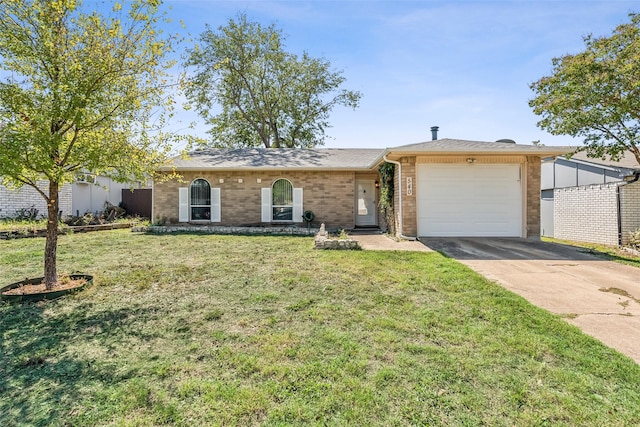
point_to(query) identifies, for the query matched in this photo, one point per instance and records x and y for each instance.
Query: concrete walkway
(379, 242)
(600, 297)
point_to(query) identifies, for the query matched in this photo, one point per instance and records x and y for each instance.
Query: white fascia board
(462, 152)
(268, 169)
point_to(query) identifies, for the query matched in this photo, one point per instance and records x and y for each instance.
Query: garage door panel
(469, 200)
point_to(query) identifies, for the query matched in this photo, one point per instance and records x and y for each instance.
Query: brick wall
(629, 209)
(409, 210)
(11, 201)
(533, 168)
(66, 199)
(330, 195)
(587, 213)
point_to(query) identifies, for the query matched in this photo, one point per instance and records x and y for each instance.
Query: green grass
(194, 330)
(608, 253)
(7, 224)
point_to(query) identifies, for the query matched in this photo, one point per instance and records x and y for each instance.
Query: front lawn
(203, 330)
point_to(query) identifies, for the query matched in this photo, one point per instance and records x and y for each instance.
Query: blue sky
(464, 66)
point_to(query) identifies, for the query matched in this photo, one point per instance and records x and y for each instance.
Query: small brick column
(408, 188)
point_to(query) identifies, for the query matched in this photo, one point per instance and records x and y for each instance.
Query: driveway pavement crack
(595, 313)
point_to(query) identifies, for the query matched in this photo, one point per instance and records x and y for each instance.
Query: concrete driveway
(600, 297)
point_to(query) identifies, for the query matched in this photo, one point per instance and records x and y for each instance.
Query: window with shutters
(200, 200)
(282, 200)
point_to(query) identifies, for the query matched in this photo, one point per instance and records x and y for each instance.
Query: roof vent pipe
(434, 132)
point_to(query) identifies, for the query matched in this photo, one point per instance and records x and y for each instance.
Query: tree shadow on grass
(42, 379)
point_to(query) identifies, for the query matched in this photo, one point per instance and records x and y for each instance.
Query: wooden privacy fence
(137, 201)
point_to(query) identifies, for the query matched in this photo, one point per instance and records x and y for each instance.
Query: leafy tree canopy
(80, 90)
(595, 94)
(266, 95)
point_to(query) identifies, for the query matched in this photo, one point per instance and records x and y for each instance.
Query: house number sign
(409, 186)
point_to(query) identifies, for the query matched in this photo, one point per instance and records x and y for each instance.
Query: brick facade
(587, 214)
(330, 195)
(629, 210)
(604, 213)
(533, 171)
(409, 204)
(12, 201)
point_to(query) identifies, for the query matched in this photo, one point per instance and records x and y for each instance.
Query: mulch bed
(38, 288)
(42, 232)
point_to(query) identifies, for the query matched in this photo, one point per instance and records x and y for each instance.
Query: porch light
(377, 184)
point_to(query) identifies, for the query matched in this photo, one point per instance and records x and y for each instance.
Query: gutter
(402, 236)
(636, 177)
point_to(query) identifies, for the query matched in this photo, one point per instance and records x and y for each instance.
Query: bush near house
(634, 239)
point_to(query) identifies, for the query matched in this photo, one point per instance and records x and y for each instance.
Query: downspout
(636, 176)
(402, 236)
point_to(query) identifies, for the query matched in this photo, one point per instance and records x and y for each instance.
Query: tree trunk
(51, 244)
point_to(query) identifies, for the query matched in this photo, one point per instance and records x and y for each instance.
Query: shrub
(634, 239)
(26, 214)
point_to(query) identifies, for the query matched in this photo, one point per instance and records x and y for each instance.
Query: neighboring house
(444, 187)
(590, 200)
(88, 194)
(91, 192)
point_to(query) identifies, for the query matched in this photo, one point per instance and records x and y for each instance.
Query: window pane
(282, 214)
(200, 193)
(282, 192)
(201, 213)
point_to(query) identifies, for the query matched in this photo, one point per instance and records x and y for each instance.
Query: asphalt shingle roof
(343, 158)
(278, 158)
(447, 145)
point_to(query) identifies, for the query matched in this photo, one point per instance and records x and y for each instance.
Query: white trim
(183, 204)
(266, 204)
(524, 196)
(297, 205)
(371, 217)
(215, 205)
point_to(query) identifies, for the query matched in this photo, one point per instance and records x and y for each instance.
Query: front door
(365, 203)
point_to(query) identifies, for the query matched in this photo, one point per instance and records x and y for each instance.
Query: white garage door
(469, 200)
